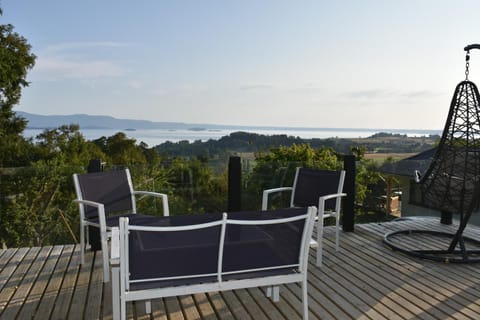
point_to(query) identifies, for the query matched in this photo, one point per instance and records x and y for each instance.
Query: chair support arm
(270, 191)
(164, 197)
(321, 204)
(97, 205)
(332, 196)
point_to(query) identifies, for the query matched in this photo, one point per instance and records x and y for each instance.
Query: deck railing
(36, 206)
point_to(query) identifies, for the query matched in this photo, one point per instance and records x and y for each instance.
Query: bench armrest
(267, 192)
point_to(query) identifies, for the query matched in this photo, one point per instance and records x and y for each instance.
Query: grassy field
(381, 157)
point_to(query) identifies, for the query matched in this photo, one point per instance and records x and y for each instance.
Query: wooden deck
(365, 280)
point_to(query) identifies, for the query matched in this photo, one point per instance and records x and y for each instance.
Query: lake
(155, 137)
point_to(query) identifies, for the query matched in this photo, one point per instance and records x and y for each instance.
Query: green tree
(15, 61)
(38, 208)
(121, 150)
(196, 188)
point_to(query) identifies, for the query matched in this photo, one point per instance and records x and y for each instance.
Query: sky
(298, 63)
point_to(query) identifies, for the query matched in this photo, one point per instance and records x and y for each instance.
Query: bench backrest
(207, 248)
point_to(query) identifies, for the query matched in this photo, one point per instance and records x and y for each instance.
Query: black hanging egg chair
(451, 184)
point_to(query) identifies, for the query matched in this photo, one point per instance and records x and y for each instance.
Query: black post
(95, 165)
(349, 189)
(234, 184)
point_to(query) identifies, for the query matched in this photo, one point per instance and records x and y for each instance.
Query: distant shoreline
(154, 137)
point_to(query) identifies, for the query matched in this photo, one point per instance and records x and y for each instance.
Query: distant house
(404, 172)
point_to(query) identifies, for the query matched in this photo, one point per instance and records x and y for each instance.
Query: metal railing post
(234, 184)
(349, 189)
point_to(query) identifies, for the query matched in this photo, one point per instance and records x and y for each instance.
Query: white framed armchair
(320, 188)
(104, 197)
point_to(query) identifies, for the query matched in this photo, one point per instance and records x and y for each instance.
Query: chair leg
(337, 232)
(276, 294)
(123, 309)
(268, 292)
(106, 266)
(82, 244)
(319, 241)
(116, 293)
(305, 299)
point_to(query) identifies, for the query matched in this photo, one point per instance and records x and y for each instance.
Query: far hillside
(245, 142)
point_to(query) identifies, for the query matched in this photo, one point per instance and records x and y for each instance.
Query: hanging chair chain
(467, 65)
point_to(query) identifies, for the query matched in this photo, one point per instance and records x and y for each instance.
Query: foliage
(277, 168)
(15, 61)
(196, 187)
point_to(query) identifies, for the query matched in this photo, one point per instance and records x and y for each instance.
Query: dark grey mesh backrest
(112, 189)
(314, 183)
(263, 246)
(154, 254)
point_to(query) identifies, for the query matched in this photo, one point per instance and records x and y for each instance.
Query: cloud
(389, 94)
(369, 94)
(255, 87)
(77, 60)
(67, 46)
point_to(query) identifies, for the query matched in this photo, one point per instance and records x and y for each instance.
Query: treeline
(252, 142)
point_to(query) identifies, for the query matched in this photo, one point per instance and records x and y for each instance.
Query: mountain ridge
(86, 121)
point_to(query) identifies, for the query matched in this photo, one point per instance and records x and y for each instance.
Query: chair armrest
(166, 211)
(100, 209)
(332, 196)
(269, 191)
(97, 205)
(322, 199)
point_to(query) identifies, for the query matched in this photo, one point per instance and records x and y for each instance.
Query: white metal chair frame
(105, 231)
(322, 213)
(121, 292)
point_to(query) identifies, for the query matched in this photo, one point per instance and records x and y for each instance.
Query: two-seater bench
(190, 254)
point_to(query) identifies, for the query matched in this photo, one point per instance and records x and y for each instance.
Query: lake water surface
(155, 137)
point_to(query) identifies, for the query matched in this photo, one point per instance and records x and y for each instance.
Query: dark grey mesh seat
(320, 188)
(104, 197)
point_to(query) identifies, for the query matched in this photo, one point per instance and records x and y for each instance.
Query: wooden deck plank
(365, 280)
(47, 302)
(250, 304)
(266, 304)
(441, 290)
(173, 308)
(39, 286)
(10, 266)
(409, 282)
(6, 256)
(159, 310)
(81, 288)
(26, 284)
(15, 275)
(235, 305)
(67, 289)
(221, 309)
(189, 307)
